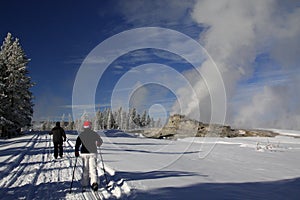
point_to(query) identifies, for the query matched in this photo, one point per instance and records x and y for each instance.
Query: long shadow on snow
(49, 190)
(31, 150)
(27, 151)
(152, 152)
(137, 144)
(12, 142)
(282, 189)
(20, 136)
(5, 143)
(154, 175)
(116, 133)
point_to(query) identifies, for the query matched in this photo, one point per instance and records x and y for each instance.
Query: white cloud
(118, 67)
(150, 83)
(237, 33)
(86, 106)
(271, 108)
(155, 12)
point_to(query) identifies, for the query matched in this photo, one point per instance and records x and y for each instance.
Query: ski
(96, 194)
(90, 193)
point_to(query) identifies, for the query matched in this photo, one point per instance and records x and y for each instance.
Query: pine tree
(137, 121)
(148, 121)
(118, 117)
(143, 122)
(98, 120)
(105, 118)
(62, 122)
(111, 124)
(4, 121)
(70, 122)
(109, 120)
(101, 121)
(77, 125)
(4, 103)
(152, 123)
(16, 97)
(124, 120)
(46, 125)
(131, 117)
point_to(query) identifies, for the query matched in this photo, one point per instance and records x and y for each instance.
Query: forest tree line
(107, 119)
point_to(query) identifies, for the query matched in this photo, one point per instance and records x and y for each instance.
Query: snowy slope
(141, 168)
(207, 168)
(28, 171)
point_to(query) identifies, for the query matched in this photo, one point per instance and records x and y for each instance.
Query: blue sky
(57, 36)
(255, 46)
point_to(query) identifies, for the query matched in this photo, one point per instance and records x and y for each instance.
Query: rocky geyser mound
(179, 126)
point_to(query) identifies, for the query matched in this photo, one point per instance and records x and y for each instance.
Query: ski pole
(73, 175)
(103, 168)
(49, 147)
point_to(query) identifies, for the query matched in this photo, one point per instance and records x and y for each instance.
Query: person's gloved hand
(76, 153)
(98, 143)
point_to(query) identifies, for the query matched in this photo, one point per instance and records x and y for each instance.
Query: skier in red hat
(89, 140)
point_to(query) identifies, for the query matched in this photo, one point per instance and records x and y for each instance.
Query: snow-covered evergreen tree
(98, 120)
(5, 118)
(152, 123)
(70, 122)
(126, 121)
(105, 118)
(131, 117)
(143, 121)
(111, 124)
(109, 118)
(124, 124)
(101, 121)
(77, 125)
(118, 118)
(148, 121)
(4, 101)
(137, 121)
(46, 126)
(62, 122)
(16, 97)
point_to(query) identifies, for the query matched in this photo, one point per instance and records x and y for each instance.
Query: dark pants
(58, 146)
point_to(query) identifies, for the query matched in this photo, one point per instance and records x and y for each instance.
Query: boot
(95, 186)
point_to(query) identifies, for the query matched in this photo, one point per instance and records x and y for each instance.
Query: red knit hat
(87, 124)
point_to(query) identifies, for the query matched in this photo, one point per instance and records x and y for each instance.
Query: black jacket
(89, 140)
(59, 134)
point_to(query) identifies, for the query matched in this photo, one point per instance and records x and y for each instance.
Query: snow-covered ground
(141, 168)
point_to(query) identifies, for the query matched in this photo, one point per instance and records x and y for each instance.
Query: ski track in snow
(28, 171)
(143, 168)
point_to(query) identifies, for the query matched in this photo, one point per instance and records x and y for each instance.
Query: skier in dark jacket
(89, 140)
(59, 136)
